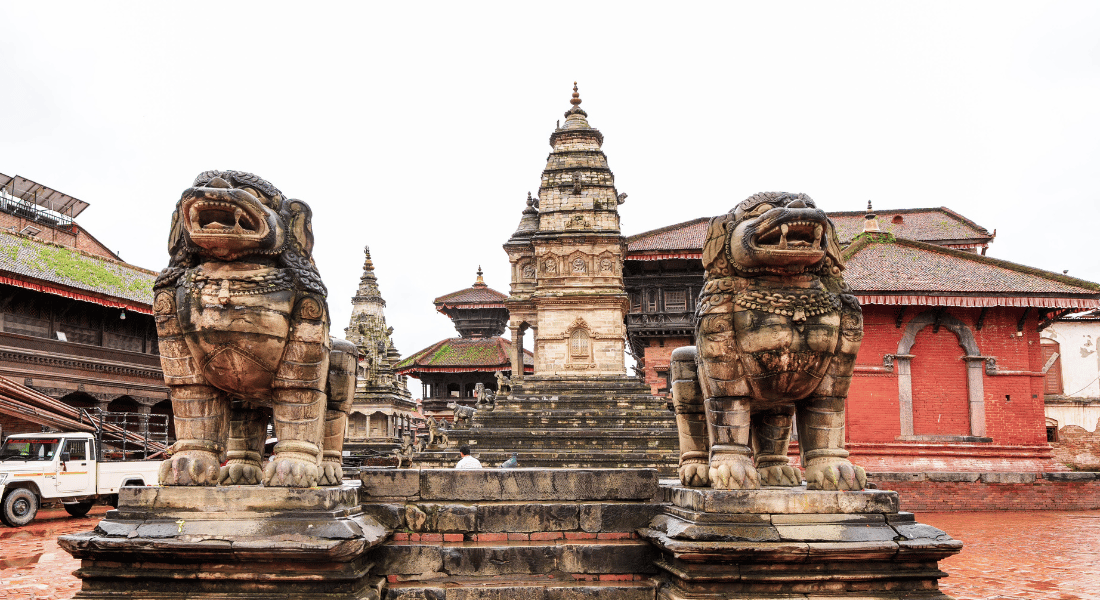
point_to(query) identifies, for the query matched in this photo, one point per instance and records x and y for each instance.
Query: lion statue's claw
(190, 468)
(332, 473)
(291, 472)
(780, 475)
(240, 473)
(838, 474)
(695, 474)
(734, 472)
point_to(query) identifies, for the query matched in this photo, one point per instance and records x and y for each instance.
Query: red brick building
(950, 375)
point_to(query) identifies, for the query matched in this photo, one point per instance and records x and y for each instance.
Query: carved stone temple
(383, 409)
(567, 303)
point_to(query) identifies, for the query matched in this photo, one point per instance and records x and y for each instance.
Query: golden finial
(480, 279)
(576, 101)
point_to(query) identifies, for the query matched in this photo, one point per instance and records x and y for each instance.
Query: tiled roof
(933, 225)
(25, 257)
(889, 265)
(479, 294)
(688, 235)
(473, 354)
(921, 224)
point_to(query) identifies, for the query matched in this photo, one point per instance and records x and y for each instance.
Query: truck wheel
(78, 509)
(18, 508)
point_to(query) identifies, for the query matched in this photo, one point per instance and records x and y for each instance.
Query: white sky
(419, 128)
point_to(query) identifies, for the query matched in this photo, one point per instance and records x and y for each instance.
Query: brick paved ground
(32, 566)
(1036, 555)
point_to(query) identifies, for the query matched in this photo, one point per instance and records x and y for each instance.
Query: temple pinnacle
(576, 101)
(480, 280)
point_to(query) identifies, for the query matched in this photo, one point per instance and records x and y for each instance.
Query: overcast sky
(419, 128)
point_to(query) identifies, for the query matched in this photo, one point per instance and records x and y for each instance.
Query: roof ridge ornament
(870, 223)
(480, 280)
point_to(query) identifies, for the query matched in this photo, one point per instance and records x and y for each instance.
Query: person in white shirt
(467, 461)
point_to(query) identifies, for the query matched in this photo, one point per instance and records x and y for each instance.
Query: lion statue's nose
(218, 182)
(797, 204)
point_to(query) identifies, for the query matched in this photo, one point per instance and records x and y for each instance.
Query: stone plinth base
(229, 542)
(794, 543)
(535, 534)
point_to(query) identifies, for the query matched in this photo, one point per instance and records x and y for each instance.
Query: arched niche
(975, 372)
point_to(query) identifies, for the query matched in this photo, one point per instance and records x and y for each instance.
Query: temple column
(517, 352)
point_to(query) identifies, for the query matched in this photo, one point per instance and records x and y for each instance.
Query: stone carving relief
(550, 265)
(777, 332)
(607, 265)
(527, 270)
(579, 265)
(243, 327)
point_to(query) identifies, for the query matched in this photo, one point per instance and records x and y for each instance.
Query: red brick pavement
(1035, 555)
(32, 565)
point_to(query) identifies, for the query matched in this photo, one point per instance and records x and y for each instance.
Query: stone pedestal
(793, 543)
(168, 543)
(535, 534)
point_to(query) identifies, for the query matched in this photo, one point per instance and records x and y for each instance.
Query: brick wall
(1078, 448)
(10, 425)
(658, 355)
(78, 238)
(992, 491)
(1013, 404)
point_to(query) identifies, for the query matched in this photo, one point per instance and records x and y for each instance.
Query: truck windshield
(29, 449)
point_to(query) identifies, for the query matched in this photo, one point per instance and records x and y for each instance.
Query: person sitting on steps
(467, 461)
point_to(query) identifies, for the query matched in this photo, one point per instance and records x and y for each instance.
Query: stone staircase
(522, 533)
(605, 422)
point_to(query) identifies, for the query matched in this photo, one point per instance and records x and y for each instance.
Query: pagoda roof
(461, 355)
(54, 269)
(941, 226)
(883, 269)
(478, 295)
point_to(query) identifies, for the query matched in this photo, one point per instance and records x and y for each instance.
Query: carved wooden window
(675, 301)
(635, 302)
(1053, 380)
(578, 344)
(651, 301)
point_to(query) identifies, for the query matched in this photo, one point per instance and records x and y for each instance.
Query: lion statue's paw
(733, 472)
(241, 472)
(836, 474)
(332, 473)
(291, 472)
(780, 475)
(695, 474)
(191, 468)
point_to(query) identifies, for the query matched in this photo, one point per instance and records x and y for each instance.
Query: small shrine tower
(566, 258)
(383, 409)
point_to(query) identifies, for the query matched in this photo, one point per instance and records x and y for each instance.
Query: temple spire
(480, 280)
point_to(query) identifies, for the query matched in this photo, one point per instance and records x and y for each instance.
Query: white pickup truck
(43, 467)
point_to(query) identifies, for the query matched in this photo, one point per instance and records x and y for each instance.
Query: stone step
(419, 560)
(455, 588)
(525, 521)
(663, 460)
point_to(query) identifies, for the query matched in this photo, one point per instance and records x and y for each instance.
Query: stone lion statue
(244, 335)
(777, 332)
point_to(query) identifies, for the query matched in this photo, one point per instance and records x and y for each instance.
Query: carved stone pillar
(975, 391)
(905, 392)
(517, 352)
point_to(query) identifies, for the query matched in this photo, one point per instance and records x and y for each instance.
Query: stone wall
(952, 491)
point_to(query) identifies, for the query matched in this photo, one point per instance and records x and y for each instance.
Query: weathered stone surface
(784, 501)
(616, 516)
(389, 483)
(538, 484)
(528, 517)
(1008, 478)
(447, 517)
(232, 500)
(896, 476)
(943, 476)
(823, 545)
(1071, 476)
